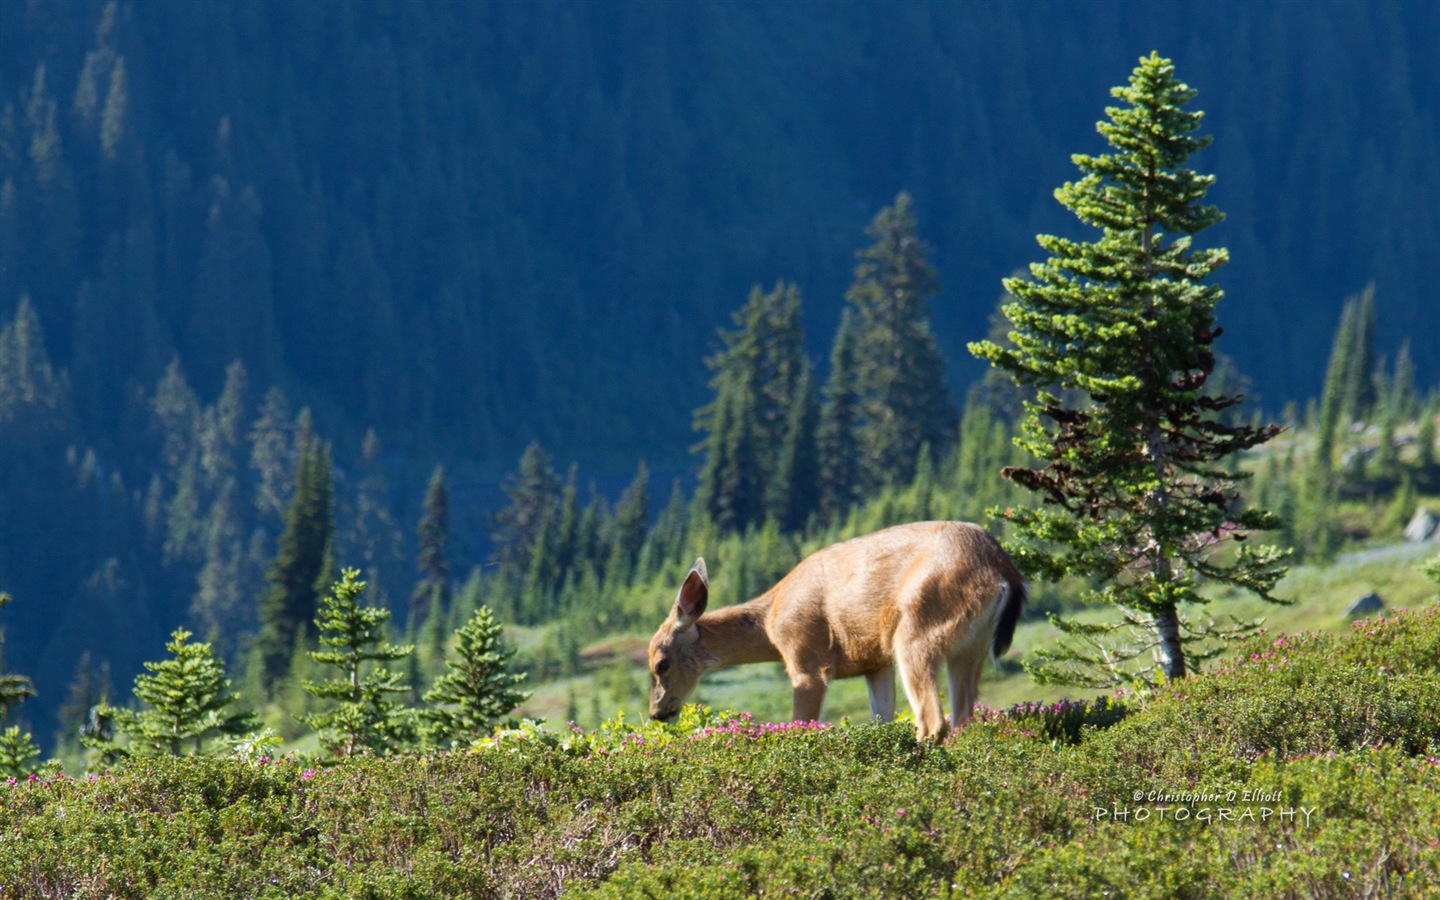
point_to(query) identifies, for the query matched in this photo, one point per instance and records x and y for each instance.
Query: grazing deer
(910, 597)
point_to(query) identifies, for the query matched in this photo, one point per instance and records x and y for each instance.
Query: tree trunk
(1170, 651)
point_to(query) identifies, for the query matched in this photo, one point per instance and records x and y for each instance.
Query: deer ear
(694, 594)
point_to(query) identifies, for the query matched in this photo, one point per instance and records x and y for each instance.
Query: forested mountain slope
(471, 224)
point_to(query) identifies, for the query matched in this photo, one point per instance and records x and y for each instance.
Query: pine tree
(52, 229)
(231, 310)
(270, 443)
(666, 541)
(220, 602)
(758, 376)
(1425, 449)
(1350, 380)
(98, 63)
(222, 429)
(1360, 391)
(1115, 335)
(289, 607)
(839, 447)
(1385, 467)
(186, 699)
(477, 689)
(432, 592)
(568, 537)
(541, 584)
(88, 689)
(626, 528)
(730, 479)
(329, 573)
(1431, 570)
(13, 688)
(899, 372)
(114, 121)
(176, 410)
(27, 377)
(534, 493)
(293, 701)
(364, 717)
(429, 640)
(373, 539)
(1402, 399)
(184, 524)
(794, 489)
(17, 753)
(1342, 397)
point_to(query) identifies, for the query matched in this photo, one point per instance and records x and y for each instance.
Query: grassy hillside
(1308, 766)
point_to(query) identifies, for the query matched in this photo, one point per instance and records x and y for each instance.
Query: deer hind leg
(919, 662)
(964, 671)
(881, 684)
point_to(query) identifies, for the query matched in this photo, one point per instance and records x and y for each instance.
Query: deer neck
(736, 634)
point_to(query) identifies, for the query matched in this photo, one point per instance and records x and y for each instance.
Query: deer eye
(662, 667)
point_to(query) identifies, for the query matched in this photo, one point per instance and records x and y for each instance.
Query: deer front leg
(809, 694)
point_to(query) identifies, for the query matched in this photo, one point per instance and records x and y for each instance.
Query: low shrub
(1068, 720)
(1308, 766)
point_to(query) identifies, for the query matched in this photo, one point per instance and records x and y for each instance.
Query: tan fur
(910, 597)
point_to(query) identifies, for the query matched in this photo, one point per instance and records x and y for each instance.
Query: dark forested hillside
(474, 223)
(469, 225)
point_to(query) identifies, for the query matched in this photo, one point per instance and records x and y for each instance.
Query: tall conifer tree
(534, 492)
(1348, 394)
(271, 435)
(288, 609)
(1334, 403)
(1360, 390)
(899, 374)
(730, 479)
(627, 526)
(839, 448)
(432, 592)
(1115, 337)
(374, 540)
(794, 489)
(758, 377)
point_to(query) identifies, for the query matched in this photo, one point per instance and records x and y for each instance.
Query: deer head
(675, 654)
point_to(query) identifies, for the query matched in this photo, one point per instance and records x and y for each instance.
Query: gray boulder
(1367, 605)
(1424, 526)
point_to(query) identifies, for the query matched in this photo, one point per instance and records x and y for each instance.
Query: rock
(1367, 605)
(1423, 526)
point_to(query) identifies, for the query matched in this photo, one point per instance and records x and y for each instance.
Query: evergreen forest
(341, 334)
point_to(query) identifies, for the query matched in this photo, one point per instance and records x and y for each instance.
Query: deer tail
(1012, 598)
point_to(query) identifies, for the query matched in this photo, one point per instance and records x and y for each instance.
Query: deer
(908, 597)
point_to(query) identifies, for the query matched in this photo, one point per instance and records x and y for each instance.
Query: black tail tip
(1015, 600)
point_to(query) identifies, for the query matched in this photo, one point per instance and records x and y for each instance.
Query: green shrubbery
(1336, 739)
